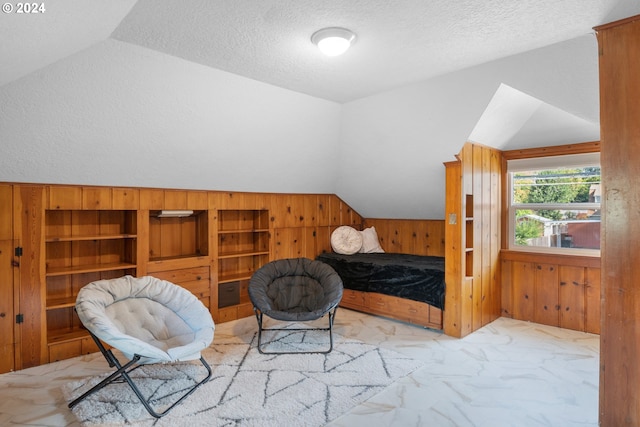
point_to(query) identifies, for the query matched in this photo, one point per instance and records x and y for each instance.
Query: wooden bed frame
(417, 313)
(418, 237)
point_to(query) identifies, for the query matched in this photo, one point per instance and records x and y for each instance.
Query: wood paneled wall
(7, 245)
(619, 45)
(555, 290)
(185, 250)
(418, 237)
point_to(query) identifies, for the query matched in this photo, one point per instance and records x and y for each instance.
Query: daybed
(405, 287)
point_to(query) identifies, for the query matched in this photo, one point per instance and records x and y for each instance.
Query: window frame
(540, 163)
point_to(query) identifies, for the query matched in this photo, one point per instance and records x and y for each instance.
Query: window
(555, 204)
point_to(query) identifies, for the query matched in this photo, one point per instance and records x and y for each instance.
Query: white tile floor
(509, 373)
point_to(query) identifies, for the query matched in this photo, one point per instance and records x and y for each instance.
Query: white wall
(394, 144)
(119, 114)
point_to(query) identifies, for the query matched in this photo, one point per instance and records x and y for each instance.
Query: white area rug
(251, 389)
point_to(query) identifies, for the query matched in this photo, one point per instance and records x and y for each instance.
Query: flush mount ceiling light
(333, 41)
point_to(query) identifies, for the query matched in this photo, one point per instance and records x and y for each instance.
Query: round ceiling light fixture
(333, 41)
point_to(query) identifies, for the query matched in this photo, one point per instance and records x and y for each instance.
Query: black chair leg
(123, 372)
(259, 317)
(146, 402)
(114, 376)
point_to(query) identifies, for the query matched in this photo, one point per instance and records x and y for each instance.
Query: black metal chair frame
(123, 371)
(259, 315)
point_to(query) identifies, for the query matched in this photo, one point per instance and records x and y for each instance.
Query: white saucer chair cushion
(153, 318)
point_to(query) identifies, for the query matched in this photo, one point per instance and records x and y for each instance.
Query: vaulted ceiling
(399, 42)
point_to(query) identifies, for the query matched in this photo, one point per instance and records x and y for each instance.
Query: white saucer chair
(149, 321)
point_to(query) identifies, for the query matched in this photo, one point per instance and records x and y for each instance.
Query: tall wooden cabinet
(472, 239)
(619, 47)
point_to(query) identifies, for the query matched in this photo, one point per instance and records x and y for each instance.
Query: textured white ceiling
(399, 42)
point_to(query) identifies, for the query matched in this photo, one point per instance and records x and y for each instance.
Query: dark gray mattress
(414, 277)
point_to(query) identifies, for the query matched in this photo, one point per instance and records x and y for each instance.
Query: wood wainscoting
(555, 290)
(409, 236)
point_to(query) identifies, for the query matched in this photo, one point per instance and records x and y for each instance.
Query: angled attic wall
(119, 114)
(518, 120)
(394, 144)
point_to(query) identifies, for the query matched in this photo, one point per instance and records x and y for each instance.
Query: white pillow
(346, 240)
(370, 242)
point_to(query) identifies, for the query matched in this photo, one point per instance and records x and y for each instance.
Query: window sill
(590, 259)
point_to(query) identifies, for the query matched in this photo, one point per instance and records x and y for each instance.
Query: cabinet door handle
(198, 277)
(2, 314)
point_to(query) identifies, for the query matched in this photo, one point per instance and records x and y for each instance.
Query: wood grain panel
(495, 235)
(556, 150)
(151, 199)
(65, 197)
(125, 198)
(289, 242)
(576, 287)
(309, 243)
(454, 268)
(418, 237)
(175, 199)
(323, 239)
(7, 339)
(478, 205)
(197, 200)
(592, 300)
(6, 212)
(619, 65)
(393, 307)
(546, 303)
(285, 211)
(96, 198)
(323, 210)
(506, 289)
(523, 285)
(572, 297)
(29, 229)
(310, 210)
(334, 211)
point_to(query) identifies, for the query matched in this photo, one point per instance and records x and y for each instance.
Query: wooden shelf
(52, 239)
(82, 245)
(243, 247)
(89, 268)
(61, 302)
(235, 277)
(185, 257)
(241, 254)
(71, 334)
(176, 263)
